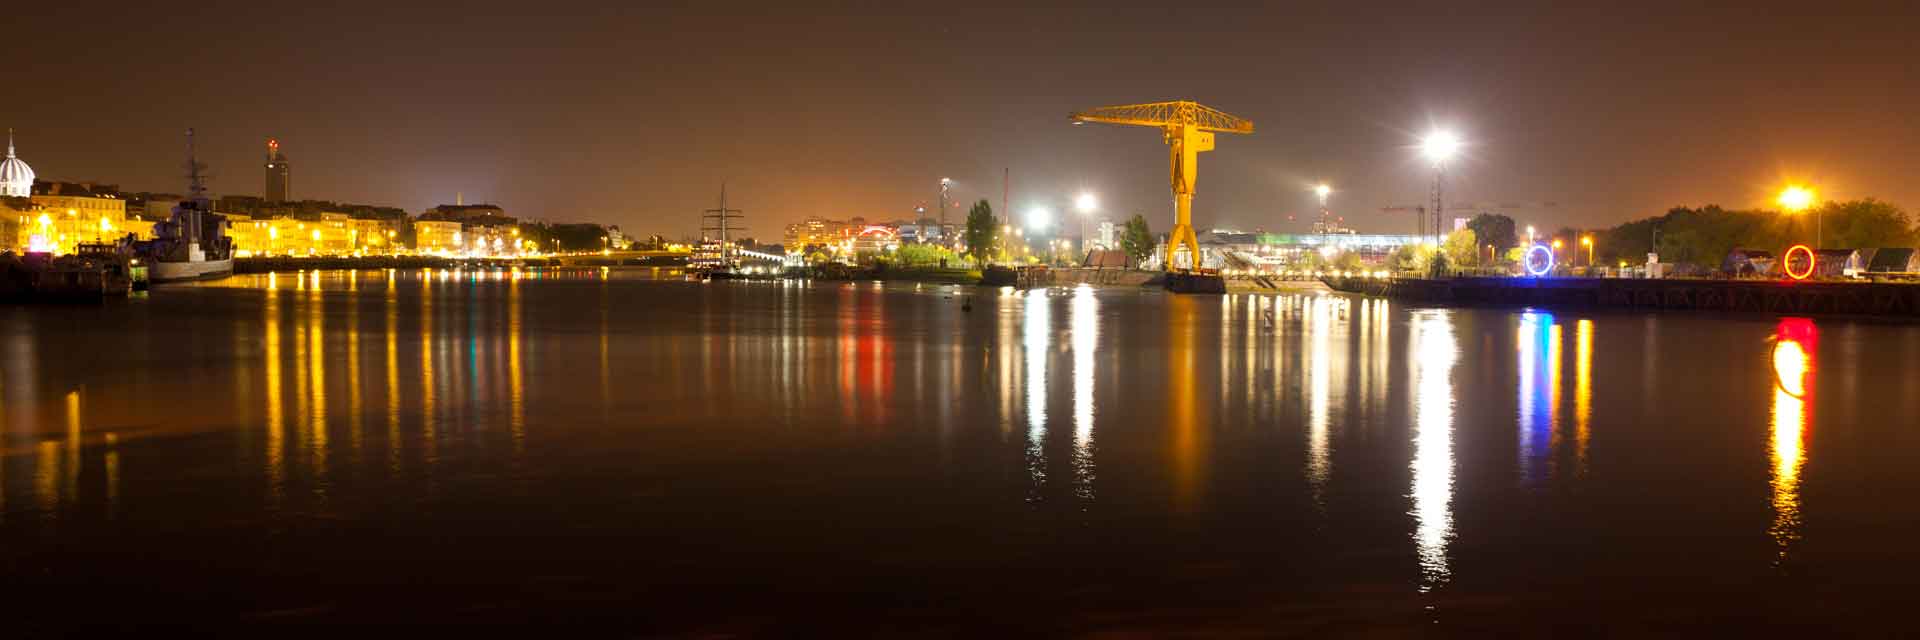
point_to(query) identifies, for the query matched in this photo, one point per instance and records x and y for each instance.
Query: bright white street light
(1039, 218)
(1086, 203)
(1440, 146)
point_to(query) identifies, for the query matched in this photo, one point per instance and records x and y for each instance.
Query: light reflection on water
(1539, 393)
(1319, 368)
(1037, 331)
(1434, 352)
(1183, 405)
(1085, 329)
(1792, 358)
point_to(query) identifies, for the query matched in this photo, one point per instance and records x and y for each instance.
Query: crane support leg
(1185, 143)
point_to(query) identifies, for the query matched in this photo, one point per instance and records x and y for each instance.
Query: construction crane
(1439, 231)
(1188, 129)
(1419, 215)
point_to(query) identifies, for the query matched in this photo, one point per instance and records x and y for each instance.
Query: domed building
(16, 178)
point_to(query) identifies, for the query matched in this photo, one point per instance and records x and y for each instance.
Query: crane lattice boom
(1188, 129)
(1162, 114)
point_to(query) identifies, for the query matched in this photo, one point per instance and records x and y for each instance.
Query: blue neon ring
(1543, 270)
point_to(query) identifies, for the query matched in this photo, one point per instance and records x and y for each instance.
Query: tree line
(1705, 235)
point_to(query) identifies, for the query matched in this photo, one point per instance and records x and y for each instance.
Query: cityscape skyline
(865, 114)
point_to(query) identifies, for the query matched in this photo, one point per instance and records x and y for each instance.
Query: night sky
(633, 113)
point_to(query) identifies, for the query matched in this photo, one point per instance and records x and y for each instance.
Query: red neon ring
(1788, 264)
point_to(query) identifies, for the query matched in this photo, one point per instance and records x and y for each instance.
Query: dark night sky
(633, 113)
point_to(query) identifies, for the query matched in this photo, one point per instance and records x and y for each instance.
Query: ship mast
(196, 181)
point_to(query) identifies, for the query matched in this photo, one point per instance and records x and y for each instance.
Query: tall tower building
(278, 173)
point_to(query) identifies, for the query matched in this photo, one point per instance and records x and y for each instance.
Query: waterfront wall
(263, 264)
(1736, 296)
(1102, 277)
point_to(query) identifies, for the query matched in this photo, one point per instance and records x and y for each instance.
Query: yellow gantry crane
(1188, 128)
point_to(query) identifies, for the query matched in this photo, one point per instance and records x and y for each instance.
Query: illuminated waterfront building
(1277, 251)
(816, 231)
(371, 237)
(438, 237)
(334, 234)
(1106, 236)
(491, 241)
(59, 215)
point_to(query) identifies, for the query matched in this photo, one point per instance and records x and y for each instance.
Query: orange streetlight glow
(1795, 198)
(1798, 198)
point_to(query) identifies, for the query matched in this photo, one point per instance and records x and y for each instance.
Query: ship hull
(186, 271)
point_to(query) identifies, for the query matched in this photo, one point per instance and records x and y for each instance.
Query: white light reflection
(1034, 346)
(1319, 327)
(1084, 316)
(1434, 354)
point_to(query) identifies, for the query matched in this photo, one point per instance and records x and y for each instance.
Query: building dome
(16, 178)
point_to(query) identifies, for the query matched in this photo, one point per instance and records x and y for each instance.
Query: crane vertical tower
(1188, 129)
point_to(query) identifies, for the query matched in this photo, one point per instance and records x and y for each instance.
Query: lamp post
(1588, 240)
(1797, 199)
(1038, 219)
(1086, 204)
(1439, 147)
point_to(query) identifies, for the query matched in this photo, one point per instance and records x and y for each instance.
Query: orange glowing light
(1788, 262)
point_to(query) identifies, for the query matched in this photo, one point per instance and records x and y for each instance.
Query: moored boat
(83, 277)
(193, 244)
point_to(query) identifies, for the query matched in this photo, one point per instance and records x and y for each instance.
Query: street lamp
(1038, 218)
(1439, 147)
(1797, 199)
(1086, 204)
(1589, 242)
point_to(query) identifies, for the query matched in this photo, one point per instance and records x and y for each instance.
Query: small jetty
(1019, 276)
(1799, 297)
(93, 273)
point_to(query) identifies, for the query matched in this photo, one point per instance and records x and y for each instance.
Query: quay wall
(1886, 299)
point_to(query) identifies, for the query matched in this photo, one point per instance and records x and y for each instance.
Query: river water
(772, 458)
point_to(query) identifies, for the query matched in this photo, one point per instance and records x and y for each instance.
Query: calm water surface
(675, 457)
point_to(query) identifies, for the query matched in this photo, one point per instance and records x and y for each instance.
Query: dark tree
(1137, 239)
(1494, 229)
(1705, 235)
(983, 232)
